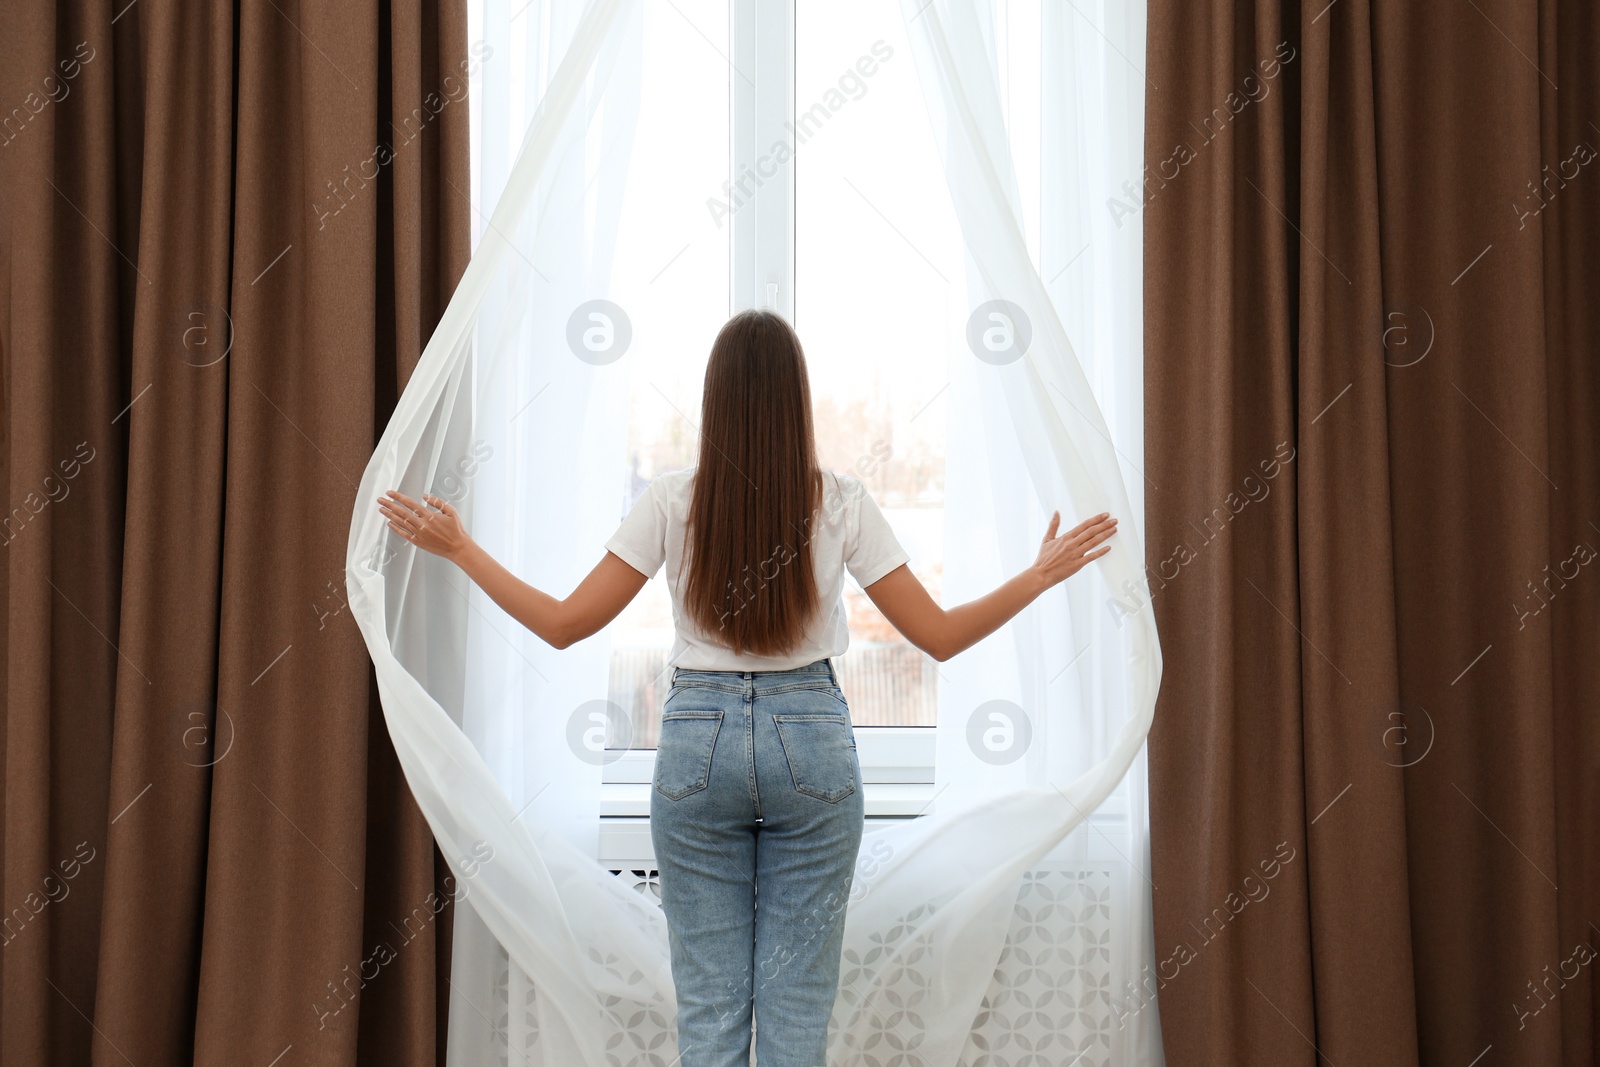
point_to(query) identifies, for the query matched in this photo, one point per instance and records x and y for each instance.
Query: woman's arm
(942, 633)
(599, 598)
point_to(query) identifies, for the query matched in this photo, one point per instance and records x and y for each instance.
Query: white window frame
(761, 94)
(897, 762)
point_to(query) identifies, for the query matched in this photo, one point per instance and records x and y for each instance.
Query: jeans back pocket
(821, 750)
(683, 755)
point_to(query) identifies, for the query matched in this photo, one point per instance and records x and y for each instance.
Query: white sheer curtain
(1005, 922)
(1038, 109)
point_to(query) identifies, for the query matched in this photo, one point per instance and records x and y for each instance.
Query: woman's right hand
(1060, 557)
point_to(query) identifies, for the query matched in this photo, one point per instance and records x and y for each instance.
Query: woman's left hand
(436, 529)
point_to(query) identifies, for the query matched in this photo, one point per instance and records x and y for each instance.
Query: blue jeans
(756, 783)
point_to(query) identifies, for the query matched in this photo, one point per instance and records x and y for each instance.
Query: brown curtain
(229, 230)
(1372, 287)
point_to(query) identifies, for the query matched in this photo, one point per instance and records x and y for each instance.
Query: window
(823, 195)
(683, 117)
(876, 244)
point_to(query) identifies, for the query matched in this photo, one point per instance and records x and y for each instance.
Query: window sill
(888, 754)
(887, 800)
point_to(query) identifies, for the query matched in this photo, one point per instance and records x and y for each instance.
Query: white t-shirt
(850, 532)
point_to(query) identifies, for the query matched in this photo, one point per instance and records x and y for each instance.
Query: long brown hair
(757, 488)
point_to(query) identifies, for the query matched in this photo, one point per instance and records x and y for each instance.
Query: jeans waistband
(821, 668)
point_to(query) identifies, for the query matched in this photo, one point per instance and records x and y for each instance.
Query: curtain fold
(1370, 407)
(483, 721)
(525, 411)
(227, 231)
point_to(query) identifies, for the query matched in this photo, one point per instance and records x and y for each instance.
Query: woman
(756, 776)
